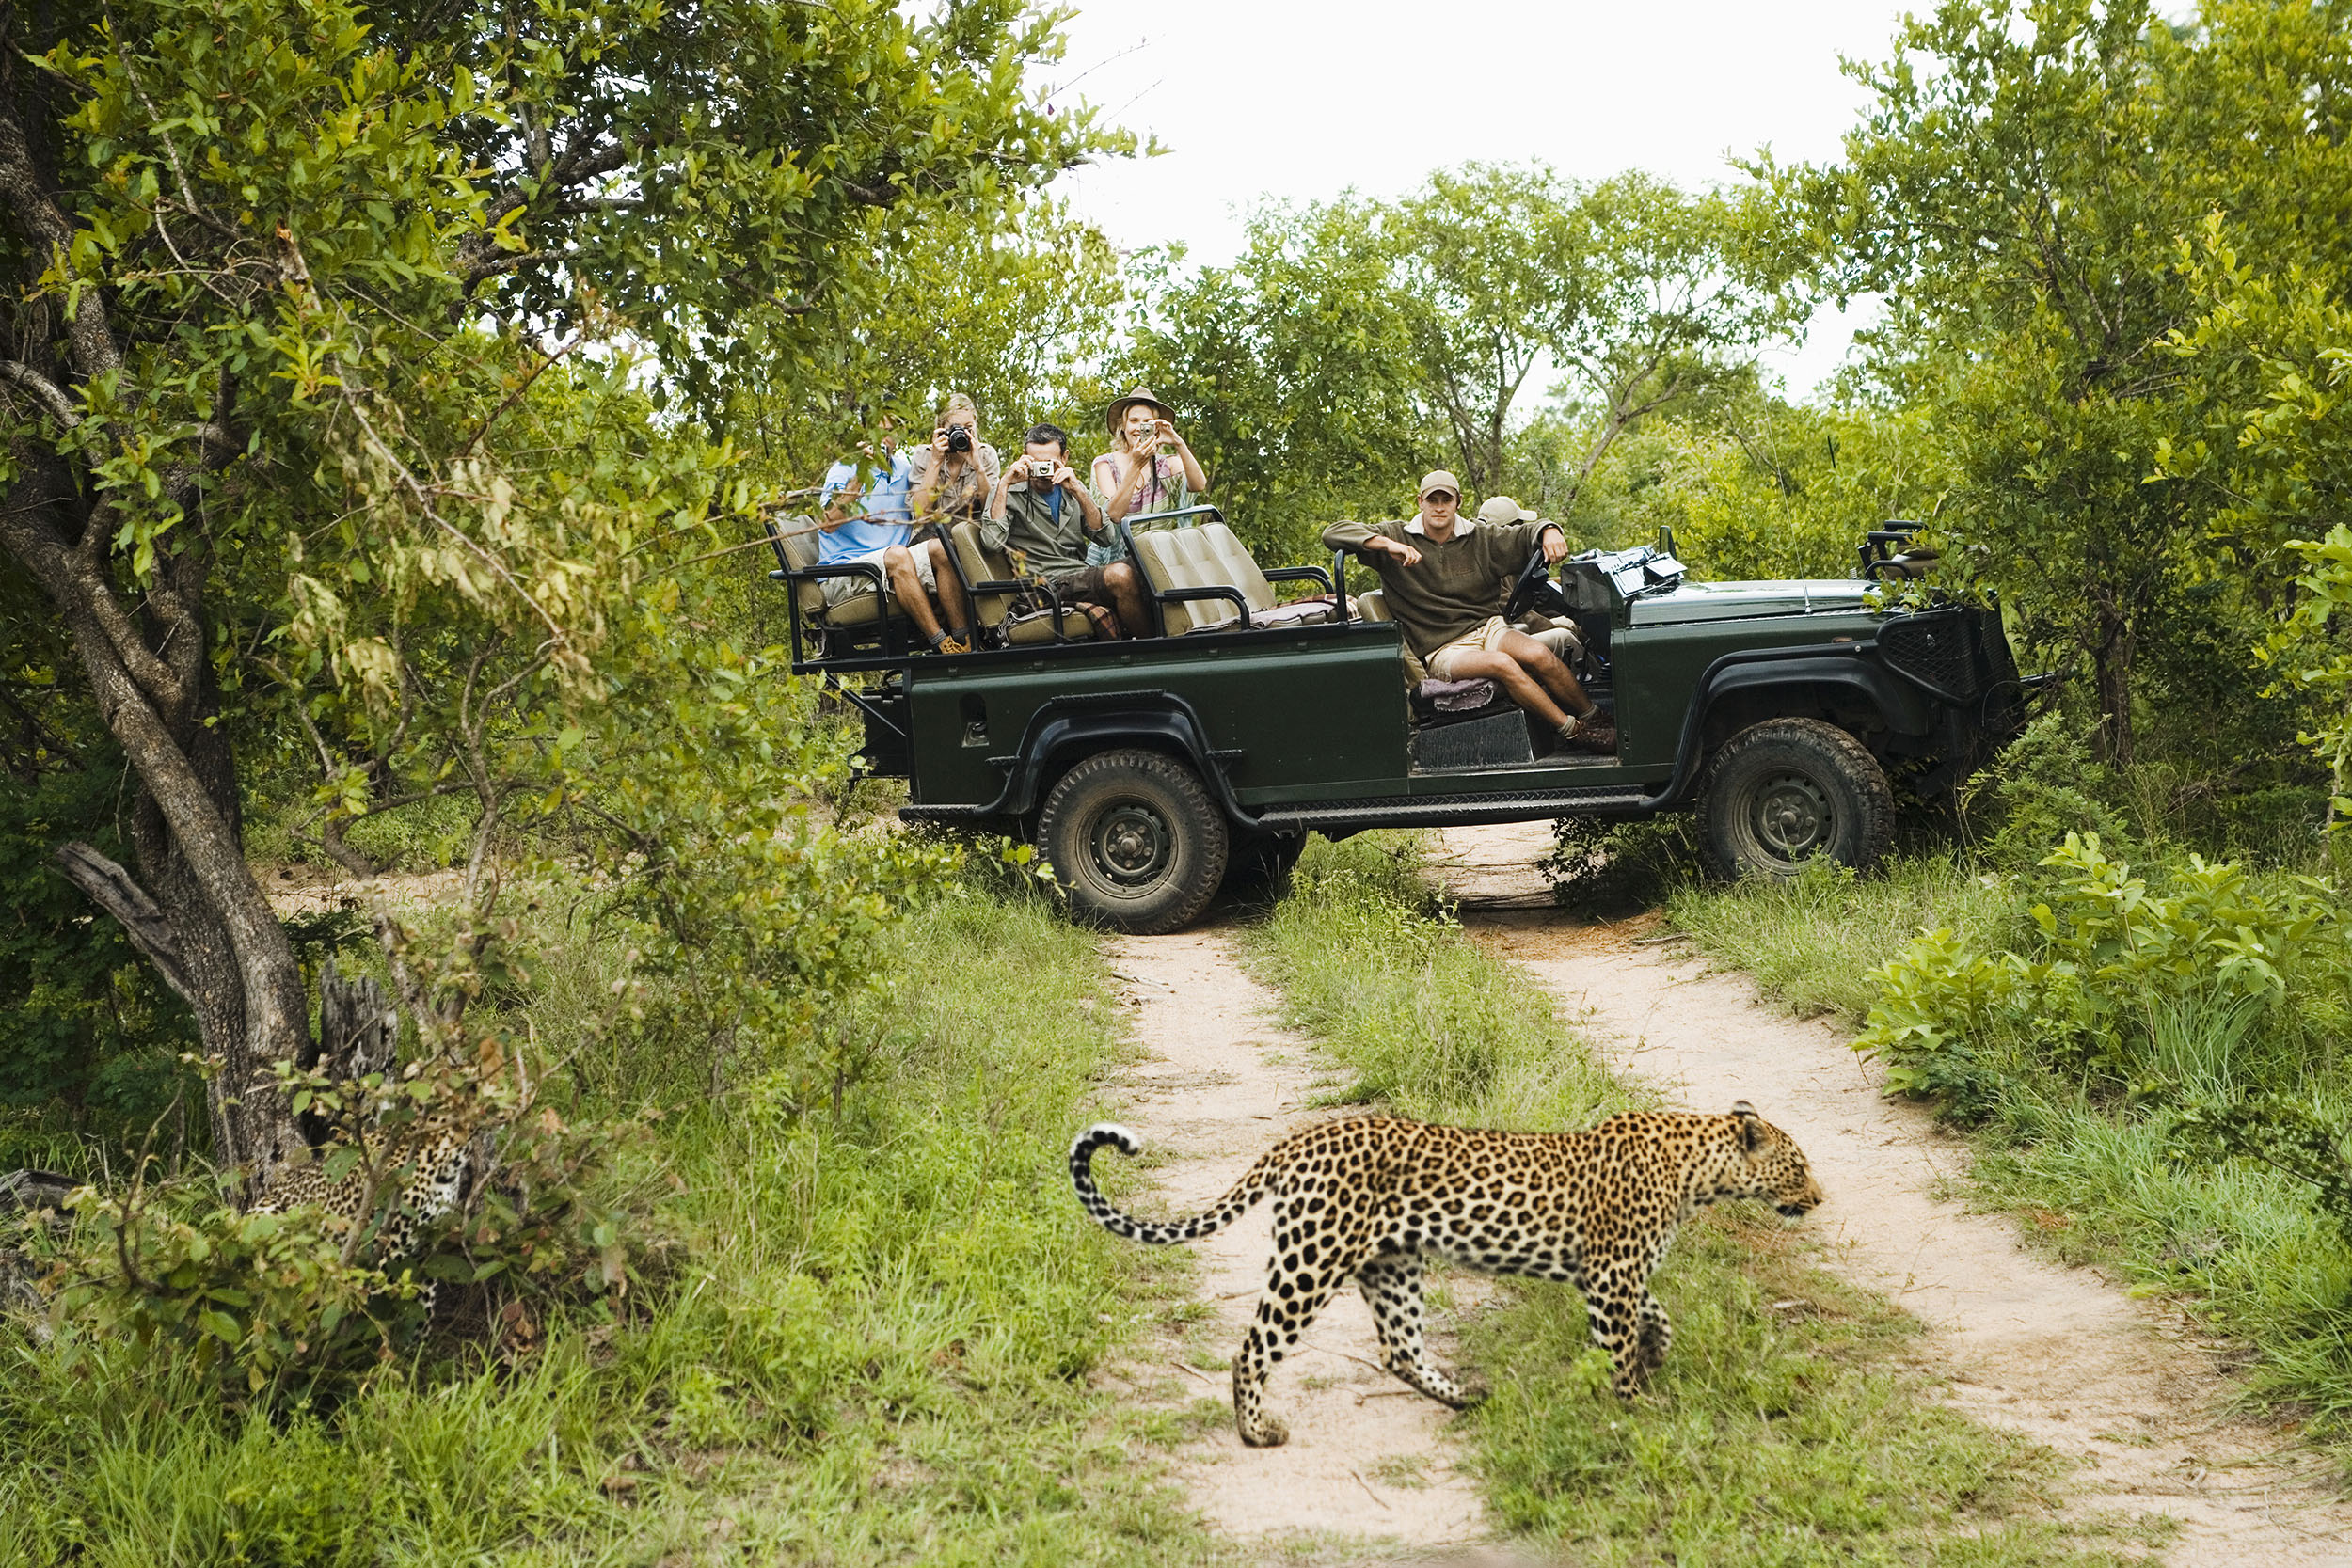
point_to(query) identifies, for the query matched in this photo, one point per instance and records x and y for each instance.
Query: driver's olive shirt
(1459, 585)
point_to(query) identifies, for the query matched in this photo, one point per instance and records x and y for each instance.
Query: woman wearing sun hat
(1149, 468)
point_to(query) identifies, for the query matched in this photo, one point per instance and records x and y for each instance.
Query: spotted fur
(432, 1156)
(1369, 1199)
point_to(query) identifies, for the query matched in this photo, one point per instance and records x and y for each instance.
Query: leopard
(1375, 1198)
(431, 1158)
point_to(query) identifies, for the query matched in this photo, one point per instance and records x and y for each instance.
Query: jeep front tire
(1780, 792)
(1136, 841)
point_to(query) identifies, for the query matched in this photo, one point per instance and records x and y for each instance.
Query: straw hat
(1115, 416)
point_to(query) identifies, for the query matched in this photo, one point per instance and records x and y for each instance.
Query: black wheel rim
(1130, 846)
(1791, 816)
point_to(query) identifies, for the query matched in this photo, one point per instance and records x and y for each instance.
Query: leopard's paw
(1270, 1431)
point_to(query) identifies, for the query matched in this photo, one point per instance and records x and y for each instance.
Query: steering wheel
(1533, 589)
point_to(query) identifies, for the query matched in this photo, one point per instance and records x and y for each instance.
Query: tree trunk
(196, 911)
(2111, 668)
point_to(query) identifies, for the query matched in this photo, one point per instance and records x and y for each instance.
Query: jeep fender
(1064, 729)
(1848, 669)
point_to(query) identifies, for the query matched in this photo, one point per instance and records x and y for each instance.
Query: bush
(1599, 868)
(2105, 992)
(2047, 785)
(88, 1033)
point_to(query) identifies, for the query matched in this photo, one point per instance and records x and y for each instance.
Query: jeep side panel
(1314, 712)
(1658, 671)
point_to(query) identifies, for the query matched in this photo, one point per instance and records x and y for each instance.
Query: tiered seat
(992, 583)
(856, 619)
(1202, 576)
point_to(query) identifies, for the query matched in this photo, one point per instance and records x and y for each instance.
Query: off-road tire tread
(1847, 758)
(1194, 815)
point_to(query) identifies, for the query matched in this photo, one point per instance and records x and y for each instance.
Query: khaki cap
(1503, 509)
(1437, 480)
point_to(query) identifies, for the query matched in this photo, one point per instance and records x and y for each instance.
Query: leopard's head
(1770, 1168)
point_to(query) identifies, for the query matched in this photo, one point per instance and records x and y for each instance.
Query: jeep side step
(1456, 811)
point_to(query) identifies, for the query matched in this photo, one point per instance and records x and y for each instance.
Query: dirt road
(1368, 1458)
(2060, 1354)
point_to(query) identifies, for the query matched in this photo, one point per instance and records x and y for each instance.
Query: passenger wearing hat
(1149, 468)
(1559, 635)
(1444, 575)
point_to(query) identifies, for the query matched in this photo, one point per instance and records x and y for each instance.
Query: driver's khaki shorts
(1480, 639)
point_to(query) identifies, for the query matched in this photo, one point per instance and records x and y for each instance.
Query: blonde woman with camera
(956, 474)
(1149, 468)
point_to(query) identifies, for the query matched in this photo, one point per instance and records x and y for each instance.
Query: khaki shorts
(844, 586)
(1483, 639)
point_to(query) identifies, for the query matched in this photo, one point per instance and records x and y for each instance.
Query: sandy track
(2059, 1354)
(1368, 1458)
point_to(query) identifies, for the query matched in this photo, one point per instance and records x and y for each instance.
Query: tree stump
(358, 1031)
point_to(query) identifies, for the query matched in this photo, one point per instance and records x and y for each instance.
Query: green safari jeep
(1150, 771)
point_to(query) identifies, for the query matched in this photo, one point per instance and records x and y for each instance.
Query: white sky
(1301, 99)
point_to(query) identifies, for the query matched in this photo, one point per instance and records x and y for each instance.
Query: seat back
(1372, 606)
(1237, 566)
(795, 540)
(1177, 558)
(981, 564)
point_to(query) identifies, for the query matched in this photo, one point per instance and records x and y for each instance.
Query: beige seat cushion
(1211, 556)
(992, 611)
(799, 536)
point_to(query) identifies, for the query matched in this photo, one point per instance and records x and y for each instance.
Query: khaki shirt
(1050, 547)
(1459, 585)
(965, 490)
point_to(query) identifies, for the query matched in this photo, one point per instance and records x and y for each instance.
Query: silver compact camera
(1041, 468)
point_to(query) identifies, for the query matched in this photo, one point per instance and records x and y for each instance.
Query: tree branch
(51, 396)
(111, 888)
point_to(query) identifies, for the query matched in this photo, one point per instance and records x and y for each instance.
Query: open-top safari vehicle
(1150, 771)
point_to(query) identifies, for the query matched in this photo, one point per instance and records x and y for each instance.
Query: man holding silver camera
(1044, 516)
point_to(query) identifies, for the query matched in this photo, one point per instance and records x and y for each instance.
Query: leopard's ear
(1751, 1126)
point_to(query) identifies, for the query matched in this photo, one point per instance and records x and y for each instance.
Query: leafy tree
(1357, 341)
(334, 409)
(1755, 487)
(2019, 191)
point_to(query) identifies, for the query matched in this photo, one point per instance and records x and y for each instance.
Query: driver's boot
(1592, 732)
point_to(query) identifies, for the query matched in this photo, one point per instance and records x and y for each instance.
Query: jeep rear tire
(1780, 792)
(1135, 840)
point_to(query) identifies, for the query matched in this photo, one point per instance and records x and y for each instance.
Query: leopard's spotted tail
(1230, 1208)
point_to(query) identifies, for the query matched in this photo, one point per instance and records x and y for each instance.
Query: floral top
(1161, 490)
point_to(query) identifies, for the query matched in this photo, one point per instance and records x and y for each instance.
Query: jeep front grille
(1934, 651)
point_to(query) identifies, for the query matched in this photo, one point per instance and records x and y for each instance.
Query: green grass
(1786, 1426)
(1811, 942)
(2086, 1165)
(871, 1343)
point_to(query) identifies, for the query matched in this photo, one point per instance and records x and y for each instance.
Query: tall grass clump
(1371, 960)
(867, 1336)
(1784, 1427)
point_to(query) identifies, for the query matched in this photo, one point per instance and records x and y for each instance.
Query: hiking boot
(949, 642)
(1594, 732)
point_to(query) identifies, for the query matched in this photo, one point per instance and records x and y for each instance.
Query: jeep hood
(1731, 601)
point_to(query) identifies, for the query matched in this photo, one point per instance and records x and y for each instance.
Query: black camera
(959, 438)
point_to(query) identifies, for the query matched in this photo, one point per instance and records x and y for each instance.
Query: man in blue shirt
(864, 514)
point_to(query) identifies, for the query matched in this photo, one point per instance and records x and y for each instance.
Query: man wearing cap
(1444, 575)
(1136, 476)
